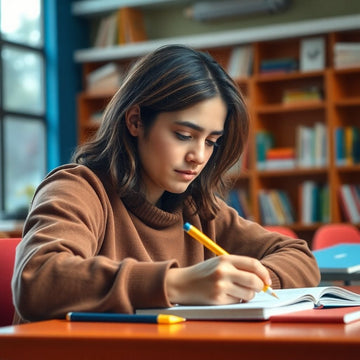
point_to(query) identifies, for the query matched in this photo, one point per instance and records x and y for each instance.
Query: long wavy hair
(171, 78)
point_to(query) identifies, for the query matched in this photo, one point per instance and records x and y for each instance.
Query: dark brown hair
(172, 78)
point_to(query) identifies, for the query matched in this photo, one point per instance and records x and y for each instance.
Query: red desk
(59, 339)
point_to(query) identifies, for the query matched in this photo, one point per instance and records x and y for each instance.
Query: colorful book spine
(238, 199)
(347, 145)
(280, 65)
(349, 203)
(275, 207)
(315, 199)
(264, 142)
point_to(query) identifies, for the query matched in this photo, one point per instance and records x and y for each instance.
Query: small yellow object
(169, 319)
(267, 289)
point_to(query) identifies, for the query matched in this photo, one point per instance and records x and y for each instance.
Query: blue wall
(64, 34)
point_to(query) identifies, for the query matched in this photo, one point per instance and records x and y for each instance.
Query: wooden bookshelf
(339, 106)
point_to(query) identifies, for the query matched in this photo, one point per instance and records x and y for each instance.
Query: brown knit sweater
(85, 249)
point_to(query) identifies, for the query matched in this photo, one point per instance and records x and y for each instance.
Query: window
(22, 104)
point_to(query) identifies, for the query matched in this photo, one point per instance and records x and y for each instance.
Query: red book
(342, 315)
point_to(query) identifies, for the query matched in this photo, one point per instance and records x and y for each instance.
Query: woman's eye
(211, 143)
(182, 136)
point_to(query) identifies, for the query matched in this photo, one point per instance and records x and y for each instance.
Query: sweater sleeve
(289, 261)
(59, 265)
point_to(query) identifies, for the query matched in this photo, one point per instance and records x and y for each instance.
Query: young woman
(105, 233)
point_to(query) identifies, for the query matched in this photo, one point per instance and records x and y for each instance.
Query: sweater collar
(149, 213)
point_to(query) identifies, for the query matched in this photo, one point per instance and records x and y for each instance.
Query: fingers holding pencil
(220, 280)
(250, 273)
(216, 249)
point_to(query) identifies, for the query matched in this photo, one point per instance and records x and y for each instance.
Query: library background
(297, 63)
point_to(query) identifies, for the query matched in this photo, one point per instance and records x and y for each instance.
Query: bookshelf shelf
(293, 172)
(288, 76)
(353, 102)
(282, 108)
(349, 168)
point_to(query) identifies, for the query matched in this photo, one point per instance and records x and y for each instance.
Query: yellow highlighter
(216, 249)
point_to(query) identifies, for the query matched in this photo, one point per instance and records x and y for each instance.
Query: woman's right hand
(220, 280)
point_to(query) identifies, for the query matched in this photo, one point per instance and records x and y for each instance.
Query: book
(106, 34)
(278, 66)
(308, 201)
(312, 54)
(107, 77)
(296, 96)
(234, 201)
(131, 25)
(305, 146)
(342, 258)
(264, 142)
(263, 306)
(341, 315)
(267, 209)
(346, 55)
(280, 158)
(240, 61)
(348, 204)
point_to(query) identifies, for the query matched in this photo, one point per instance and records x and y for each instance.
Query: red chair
(332, 234)
(282, 230)
(7, 259)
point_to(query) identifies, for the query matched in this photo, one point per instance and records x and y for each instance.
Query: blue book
(234, 202)
(340, 146)
(343, 258)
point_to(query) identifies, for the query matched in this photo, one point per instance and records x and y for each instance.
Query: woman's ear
(133, 120)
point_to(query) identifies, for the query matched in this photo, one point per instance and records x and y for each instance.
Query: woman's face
(178, 146)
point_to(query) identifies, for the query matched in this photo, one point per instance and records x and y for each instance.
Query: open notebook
(263, 306)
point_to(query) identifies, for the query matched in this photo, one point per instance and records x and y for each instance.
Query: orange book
(342, 315)
(131, 26)
(280, 153)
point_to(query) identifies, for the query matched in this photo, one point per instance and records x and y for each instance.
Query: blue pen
(129, 318)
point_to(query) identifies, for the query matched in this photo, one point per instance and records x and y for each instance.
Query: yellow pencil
(216, 249)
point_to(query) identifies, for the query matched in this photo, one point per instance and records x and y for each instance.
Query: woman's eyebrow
(197, 127)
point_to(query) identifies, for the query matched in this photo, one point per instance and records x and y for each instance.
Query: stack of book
(105, 79)
(350, 202)
(301, 95)
(278, 66)
(315, 202)
(346, 55)
(275, 207)
(280, 158)
(347, 145)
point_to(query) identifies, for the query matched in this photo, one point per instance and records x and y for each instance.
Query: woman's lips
(187, 174)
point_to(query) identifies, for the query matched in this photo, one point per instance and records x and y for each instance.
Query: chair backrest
(7, 259)
(282, 230)
(332, 234)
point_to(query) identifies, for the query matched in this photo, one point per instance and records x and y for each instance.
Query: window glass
(21, 21)
(25, 160)
(23, 83)
(22, 105)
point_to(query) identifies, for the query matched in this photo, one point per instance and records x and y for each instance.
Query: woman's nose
(197, 153)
